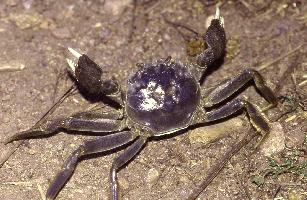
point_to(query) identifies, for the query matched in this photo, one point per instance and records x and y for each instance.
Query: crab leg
(225, 90)
(258, 120)
(84, 121)
(127, 155)
(101, 144)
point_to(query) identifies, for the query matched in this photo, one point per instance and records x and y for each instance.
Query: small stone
(6, 119)
(98, 25)
(47, 24)
(167, 37)
(295, 195)
(275, 141)
(124, 184)
(152, 176)
(32, 151)
(6, 97)
(61, 33)
(183, 179)
(116, 7)
(211, 133)
(12, 2)
(25, 21)
(27, 4)
(295, 138)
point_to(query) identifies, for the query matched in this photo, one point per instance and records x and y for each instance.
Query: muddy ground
(269, 36)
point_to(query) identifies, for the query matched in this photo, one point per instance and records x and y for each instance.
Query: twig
(266, 65)
(19, 183)
(277, 191)
(7, 155)
(177, 25)
(289, 72)
(284, 77)
(247, 5)
(41, 192)
(215, 170)
(151, 7)
(11, 67)
(60, 75)
(302, 83)
(208, 3)
(27, 184)
(56, 105)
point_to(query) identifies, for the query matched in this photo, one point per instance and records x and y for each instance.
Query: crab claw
(215, 39)
(90, 75)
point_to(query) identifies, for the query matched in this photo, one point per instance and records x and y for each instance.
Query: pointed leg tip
(74, 52)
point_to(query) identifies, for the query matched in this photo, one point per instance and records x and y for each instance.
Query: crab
(162, 97)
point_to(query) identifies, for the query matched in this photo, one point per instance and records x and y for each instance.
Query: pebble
(61, 33)
(210, 133)
(116, 7)
(296, 195)
(295, 138)
(275, 141)
(12, 2)
(152, 176)
(27, 4)
(25, 21)
(32, 151)
(6, 119)
(6, 97)
(124, 184)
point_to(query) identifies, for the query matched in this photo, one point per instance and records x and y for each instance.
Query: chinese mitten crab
(162, 97)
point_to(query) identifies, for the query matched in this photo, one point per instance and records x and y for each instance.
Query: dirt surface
(270, 37)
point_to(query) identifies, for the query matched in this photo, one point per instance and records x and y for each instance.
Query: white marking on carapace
(151, 103)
